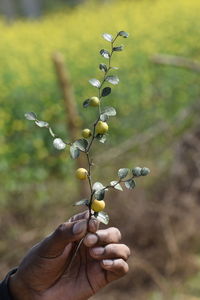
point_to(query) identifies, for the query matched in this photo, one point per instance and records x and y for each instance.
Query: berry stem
(87, 152)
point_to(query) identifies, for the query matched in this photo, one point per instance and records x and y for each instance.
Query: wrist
(17, 289)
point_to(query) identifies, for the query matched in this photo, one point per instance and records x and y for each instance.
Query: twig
(177, 61)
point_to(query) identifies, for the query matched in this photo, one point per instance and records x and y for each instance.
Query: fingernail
(79, 227)
(98, 250)
(108, 262)
(93, 225)
(91, 239)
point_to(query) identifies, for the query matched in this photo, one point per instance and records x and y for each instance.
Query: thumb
(54, 245)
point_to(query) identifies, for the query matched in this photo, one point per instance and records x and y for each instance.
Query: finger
(103, 237)
(54, 245)
(93, 224)
(116, 268)
(80, 216)
(110, 251)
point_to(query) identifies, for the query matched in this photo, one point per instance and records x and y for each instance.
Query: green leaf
(105, 53)
(95, 214)
(116, 185)
(74, 151)
(123, 34)
(130, 184)
(108, 37)
(99, 195)
(51, 132)
(106, 91)
(86, 103)
(82, 202)
(81, 144)
(101, 138)
(118, 48)
(97, 186)
(112, 79)
(42, 124)
(122, 173)
(95, 82)
(104, 117)
(31, 116)
(103, 67)
(59, 144)
(110, 111)
(145, 171)
(103, 217)
(137, 171)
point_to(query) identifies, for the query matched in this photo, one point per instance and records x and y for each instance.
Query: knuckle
(128, 252)
(116, 232)
(123, 266)
(125, 252)
(60, 229)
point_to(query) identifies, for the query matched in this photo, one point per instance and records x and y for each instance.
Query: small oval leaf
(103, 217)
(122, 173)
(130, 184)
(116, 185)
(124, 34)
(99, 195)
(81, 144)
(105, 53)
(104, 117)
(41, 124)
(31, 116)
(145, 171)
(108, 37)
(97, 186)
(59, 144)
(118, 48)
(103, 67)
(86, 103)
(82, 202)
(110, 111)
(112, 79)
(95, 82)
(74, 151)
(106, 91)
(136, 171)
(101, 138)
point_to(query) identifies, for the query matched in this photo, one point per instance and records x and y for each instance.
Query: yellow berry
(86, 133)
(97, 205)
(101, 127)
(81, 173)
(94, 101)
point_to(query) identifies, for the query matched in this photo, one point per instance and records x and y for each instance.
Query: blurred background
(157, 125)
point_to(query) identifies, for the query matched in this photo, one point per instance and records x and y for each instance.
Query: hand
(51, 271)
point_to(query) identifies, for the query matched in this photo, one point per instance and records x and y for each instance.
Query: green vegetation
(147, 93)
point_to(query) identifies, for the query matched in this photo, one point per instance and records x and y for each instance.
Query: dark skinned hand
(50, 271)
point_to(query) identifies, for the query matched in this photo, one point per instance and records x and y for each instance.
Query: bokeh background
(157, 125)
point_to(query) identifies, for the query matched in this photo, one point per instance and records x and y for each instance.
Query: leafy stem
(97, 190)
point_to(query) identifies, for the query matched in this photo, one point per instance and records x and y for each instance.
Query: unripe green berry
(94, 101)
(137, 171)
(101, 127)
(98, 205)
(81, 173)
(86, 133)
(145, 171)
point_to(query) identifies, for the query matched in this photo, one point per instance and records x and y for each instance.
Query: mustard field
(146, 94)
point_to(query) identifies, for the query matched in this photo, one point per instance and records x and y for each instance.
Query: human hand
(50, 270)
